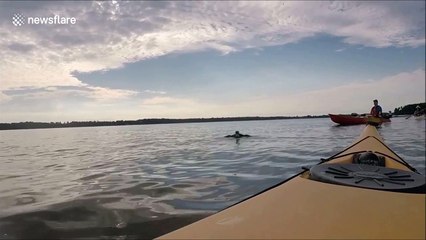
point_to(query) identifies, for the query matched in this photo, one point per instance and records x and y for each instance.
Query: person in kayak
(376, 110)
(237, 134)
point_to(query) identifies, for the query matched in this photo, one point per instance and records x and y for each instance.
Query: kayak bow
(365, 191)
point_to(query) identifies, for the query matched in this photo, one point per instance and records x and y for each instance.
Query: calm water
(143, 181)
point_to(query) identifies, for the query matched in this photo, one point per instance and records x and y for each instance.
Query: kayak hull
(346, 120)
(302, 208)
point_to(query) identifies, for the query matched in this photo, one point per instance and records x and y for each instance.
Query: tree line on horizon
(403, 110)
(409, 109)
(34, 125)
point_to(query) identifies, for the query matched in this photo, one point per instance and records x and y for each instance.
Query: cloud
(178, 107)
(167, 101)
(46, 105)
(66, 103)
(110, 34)
(24, 48)
(58, 93)
(108, 94)
(4, 98)
(155, 92)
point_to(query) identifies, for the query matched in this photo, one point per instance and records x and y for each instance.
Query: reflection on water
(144, 181)
(89, 221)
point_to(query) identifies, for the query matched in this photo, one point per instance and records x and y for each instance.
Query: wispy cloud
(60, 92)
(4, 98)
(178, 107)
(155, 92)
(107, 94)
(167, 101)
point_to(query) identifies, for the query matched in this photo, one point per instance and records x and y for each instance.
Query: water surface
(128, 182)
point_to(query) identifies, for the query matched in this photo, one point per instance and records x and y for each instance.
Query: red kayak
(345, 119)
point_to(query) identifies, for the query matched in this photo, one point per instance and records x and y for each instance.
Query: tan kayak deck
(306, 209)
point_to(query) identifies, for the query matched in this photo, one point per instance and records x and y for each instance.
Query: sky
(184, 59)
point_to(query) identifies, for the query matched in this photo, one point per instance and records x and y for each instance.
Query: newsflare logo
(19, 19)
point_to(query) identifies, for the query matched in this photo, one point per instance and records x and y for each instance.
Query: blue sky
(310, 64)
(133, 60)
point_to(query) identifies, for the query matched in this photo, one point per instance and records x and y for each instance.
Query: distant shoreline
(39, 125)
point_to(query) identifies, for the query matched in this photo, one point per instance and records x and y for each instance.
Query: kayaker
(237, 134)
(376, 110)
(418, 111)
